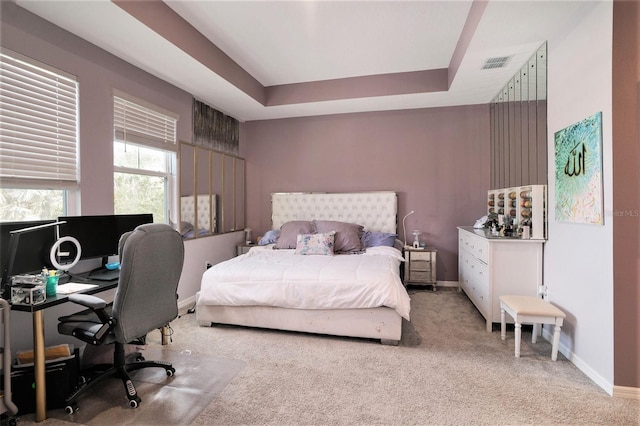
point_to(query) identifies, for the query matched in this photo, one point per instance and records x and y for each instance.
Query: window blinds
(136, 123)
(38, 124)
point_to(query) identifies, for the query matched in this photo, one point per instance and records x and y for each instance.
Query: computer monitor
(32, 249)
(99, 236)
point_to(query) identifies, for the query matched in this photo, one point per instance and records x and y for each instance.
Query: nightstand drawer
(420, 265)
(419, 276)
(420, 255)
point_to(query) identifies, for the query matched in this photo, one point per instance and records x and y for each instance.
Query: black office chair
(151, 260)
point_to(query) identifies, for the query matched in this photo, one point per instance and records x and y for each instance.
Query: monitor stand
(104, 274)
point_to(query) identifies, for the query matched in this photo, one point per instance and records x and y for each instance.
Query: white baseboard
(448, 284)
(186, 304)
(580, 364)
(626, 392)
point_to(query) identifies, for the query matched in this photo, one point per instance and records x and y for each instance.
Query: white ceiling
(282, 42)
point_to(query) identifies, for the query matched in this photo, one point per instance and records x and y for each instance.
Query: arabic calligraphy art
(578, 169)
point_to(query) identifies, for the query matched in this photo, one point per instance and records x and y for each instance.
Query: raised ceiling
(259, 60)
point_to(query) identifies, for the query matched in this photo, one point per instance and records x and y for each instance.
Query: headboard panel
(206, 211)
(376, 211)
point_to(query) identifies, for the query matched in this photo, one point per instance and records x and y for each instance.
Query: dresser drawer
(476, 246)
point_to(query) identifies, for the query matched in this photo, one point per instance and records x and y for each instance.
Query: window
(38, 138)
(144, 153)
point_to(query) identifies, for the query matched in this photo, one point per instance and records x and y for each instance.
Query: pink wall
(436, 159)
(626, 194)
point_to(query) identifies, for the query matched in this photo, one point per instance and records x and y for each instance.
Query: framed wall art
(578, 171)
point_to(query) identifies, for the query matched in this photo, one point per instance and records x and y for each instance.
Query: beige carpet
(446, 371)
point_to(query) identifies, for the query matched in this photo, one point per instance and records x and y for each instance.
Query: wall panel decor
(519, 127)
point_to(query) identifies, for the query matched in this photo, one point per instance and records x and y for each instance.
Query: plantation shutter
(137, 123)
(38, 124)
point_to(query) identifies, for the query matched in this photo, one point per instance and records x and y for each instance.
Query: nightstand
(420, 266)
(243, 248)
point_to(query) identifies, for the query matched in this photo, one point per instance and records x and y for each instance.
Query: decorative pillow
(289, 233)
(315, 244)
(269, 237)
(186, 229)
(375, 239)
(348, 235)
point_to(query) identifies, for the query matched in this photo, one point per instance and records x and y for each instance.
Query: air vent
(498, 62)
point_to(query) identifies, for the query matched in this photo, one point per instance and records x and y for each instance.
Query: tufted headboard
(376, 211)
(206, 210)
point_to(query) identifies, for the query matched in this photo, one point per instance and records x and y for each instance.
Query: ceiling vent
(497, 62)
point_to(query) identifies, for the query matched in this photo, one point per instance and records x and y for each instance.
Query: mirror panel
(239, 200)
(228, 215)
(211, 192)
(204, 217)
(187, 188)
(519, 126)
(217, 181)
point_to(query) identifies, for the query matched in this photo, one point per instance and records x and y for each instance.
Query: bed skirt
(373, 323)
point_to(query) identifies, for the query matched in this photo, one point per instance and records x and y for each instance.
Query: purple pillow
(269, 237)
(375, 239)
(289, 233)
(348, 235)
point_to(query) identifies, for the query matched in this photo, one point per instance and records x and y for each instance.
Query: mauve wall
(98, 74)
(626, 194)
(436, 159)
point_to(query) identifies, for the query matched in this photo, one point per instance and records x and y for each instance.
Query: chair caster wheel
(133, 403)
(171, 372)
(70, 409)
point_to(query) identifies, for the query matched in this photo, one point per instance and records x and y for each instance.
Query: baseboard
(580, 364)
(448, 284)
(626, 392)
(186, 304)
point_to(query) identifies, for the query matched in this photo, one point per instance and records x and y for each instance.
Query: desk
(38, 339)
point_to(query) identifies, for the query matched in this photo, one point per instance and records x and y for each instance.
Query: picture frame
(578, 172)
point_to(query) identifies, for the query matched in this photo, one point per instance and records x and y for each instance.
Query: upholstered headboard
(206, 208)
(376, 211)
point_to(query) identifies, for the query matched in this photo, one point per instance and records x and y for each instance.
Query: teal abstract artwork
(578, 172)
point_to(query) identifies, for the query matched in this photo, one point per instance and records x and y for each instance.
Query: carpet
(447, 370)
(166, 400)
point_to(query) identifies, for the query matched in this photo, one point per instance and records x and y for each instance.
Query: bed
(277, 286)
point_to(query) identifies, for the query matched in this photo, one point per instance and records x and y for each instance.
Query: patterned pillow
(315, 244)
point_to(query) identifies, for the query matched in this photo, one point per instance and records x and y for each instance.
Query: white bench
(531, 310)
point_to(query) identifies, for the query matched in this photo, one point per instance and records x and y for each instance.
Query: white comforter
(284, 279)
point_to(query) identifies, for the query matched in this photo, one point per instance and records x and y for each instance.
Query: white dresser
(489, 267)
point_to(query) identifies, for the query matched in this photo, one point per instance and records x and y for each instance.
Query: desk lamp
(404, 228)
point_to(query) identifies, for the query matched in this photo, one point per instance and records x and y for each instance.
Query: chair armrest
(94, 303)
(88, 301)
